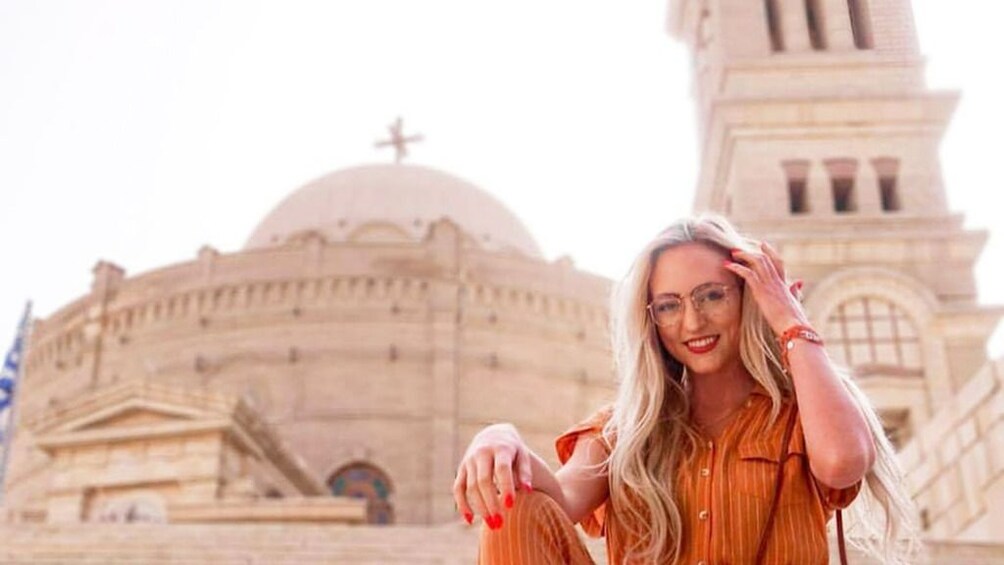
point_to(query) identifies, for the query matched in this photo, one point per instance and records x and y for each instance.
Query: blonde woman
(726, 397)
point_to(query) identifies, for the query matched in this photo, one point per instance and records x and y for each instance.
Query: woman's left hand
(763, 273)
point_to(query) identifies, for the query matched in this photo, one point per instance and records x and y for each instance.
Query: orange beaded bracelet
(787, 341)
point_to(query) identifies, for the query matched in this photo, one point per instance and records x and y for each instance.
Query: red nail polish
(490, 522)
(508, 500)
(468, 517)
(498, 521)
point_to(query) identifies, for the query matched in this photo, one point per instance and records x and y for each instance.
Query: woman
(712, 350)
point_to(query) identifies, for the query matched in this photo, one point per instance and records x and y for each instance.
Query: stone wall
(388, 354)
(955, 463)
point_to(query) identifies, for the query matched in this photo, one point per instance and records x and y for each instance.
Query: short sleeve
(593, 524)
(836, 499)
(832, 498)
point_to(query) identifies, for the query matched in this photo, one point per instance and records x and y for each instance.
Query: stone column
(445, 242)
(837, 25)
(207, 262)
(108, 277)
(820, 191)
(868, 191)
(794, 25)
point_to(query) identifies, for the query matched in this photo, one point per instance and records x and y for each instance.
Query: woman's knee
(535, 528)
(532, 511)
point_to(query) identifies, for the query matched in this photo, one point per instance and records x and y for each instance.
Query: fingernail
(469, 518)
(490, 522)
(508, 500)
(498, 521)
(527, 487)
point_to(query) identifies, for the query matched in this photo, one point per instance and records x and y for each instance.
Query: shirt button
(703, 515)
(711, 445)
(749, 403)
(702, 563)
(705, 472)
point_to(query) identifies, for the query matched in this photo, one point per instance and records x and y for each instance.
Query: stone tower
(818, 134)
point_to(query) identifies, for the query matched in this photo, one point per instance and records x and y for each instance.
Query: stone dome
(392, 202)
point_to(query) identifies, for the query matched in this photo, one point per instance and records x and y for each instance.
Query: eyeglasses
(708, 299)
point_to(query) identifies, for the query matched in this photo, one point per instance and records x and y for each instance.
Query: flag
(12, 364)
(8, 385)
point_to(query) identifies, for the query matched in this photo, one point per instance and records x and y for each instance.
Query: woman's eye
(667, 307)
(714, 295)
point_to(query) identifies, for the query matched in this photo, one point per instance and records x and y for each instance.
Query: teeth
(701, 342)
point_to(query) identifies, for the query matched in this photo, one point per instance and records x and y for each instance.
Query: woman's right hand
(487, 476)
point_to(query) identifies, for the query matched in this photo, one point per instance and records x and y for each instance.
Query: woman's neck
(713, 395)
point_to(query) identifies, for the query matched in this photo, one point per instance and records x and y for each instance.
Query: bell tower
(819, 134)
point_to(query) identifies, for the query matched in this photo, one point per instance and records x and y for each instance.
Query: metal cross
(398, 140)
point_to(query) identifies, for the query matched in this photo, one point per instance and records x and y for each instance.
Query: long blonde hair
(650, 429)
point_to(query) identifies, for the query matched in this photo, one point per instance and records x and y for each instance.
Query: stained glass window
(362, 480)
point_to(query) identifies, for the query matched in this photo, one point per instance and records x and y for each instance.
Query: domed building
(374, 321)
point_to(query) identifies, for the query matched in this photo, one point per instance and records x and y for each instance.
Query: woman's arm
(582, 481)
(498, 459)
(839, 443)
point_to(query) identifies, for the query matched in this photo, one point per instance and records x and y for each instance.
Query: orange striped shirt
(724, 493)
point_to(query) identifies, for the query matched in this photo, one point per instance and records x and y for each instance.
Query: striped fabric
(724, 493)
(536, 531)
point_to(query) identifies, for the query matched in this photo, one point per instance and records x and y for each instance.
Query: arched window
(873, 335)
(363, 480)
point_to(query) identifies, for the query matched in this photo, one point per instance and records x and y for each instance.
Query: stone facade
(139, 452)
(374, 354)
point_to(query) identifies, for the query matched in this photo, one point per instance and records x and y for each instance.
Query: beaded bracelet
(787, 341)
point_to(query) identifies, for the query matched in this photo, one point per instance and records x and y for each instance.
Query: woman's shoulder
(592, 426)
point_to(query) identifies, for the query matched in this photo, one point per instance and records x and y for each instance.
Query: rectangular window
(843, 195)
(890, 199)
(814, 15)
(842, 173)
(887, 171)
(796, 196)
(774, 25)
(860, 24)
(797, 173)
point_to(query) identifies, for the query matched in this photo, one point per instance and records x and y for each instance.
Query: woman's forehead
(681, 268)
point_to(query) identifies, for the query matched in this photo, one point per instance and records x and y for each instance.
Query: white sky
(138, 131)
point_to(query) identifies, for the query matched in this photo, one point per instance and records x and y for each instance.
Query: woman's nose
(693, 318)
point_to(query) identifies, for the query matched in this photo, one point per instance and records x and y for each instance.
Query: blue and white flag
(12, 363)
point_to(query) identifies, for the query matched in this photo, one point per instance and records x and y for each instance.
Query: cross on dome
(398, 140)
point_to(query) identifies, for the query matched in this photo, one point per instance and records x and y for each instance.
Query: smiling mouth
(702, 345)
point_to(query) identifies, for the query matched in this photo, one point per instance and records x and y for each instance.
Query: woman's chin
(704, 366)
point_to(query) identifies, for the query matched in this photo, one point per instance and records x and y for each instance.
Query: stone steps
(309, 544)
(244, 544)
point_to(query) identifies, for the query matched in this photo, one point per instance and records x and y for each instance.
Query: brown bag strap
(841, 545)
(765, 535)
